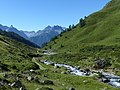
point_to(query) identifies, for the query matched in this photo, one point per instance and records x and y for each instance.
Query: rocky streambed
(104, 77)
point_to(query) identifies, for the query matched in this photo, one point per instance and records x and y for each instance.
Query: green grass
(97, 39)
(39, 64)
(102, 28)
(15, 54)
(65, 81)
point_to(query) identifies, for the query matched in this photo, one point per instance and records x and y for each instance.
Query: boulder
(45, 88)
(31, 70)
(29, 78)
(55, 66)
(71, 88)
(47, 82)
(37, 89)
(105, 80)
(52, 64)
(63, 72)
(16, 84)
(101, 63)
(78, 67)
(85, 81)
(21, 88)
(44, 75)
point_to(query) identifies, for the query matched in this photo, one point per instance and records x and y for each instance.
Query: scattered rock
(55, 66)
(5, 76)
(16, 84)
(31, 70)
(101, 63)
(45, 88)
(87, 71)
(1, 83)
(13, 84)
(47, 82)
(21, 88)
(37, 89)
(105, 80)
(44, 75)
(63, 72)
(52, 64)
(29, 78)
(71, 88)
(63, 84)
(78, 67)
(85, 81)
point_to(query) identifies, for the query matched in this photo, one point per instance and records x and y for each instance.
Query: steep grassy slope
(15, 54)
(99, 38)
(102, 28)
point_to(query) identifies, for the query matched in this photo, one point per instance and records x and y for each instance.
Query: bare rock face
(43, 36)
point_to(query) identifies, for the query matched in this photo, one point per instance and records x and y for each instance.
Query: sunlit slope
(14, 54)
(102, 28)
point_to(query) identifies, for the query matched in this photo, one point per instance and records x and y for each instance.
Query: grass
(39, 64)
(15, 54)
(102, 28)
(99, 38)
(65, 81)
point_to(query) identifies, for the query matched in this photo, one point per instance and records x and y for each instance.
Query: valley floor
(49, 77)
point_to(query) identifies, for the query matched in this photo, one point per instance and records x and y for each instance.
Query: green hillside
(15, 57)
(14, 54)
(99, 38)
(90, 45)
(16, 60)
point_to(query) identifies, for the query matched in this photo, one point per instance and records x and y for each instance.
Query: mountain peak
(38, 37)
(48, 28)
(55, 27)
(11, 26)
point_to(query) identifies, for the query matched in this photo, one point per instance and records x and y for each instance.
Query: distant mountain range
(13, 29)
(40, 37)
(18, 38)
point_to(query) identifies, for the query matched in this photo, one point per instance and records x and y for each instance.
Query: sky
(33, 15)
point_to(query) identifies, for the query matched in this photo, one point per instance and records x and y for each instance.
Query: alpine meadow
(84, 56)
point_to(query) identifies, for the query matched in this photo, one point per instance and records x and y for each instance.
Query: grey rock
(29, 78)
(71, 88)
(47, 82)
